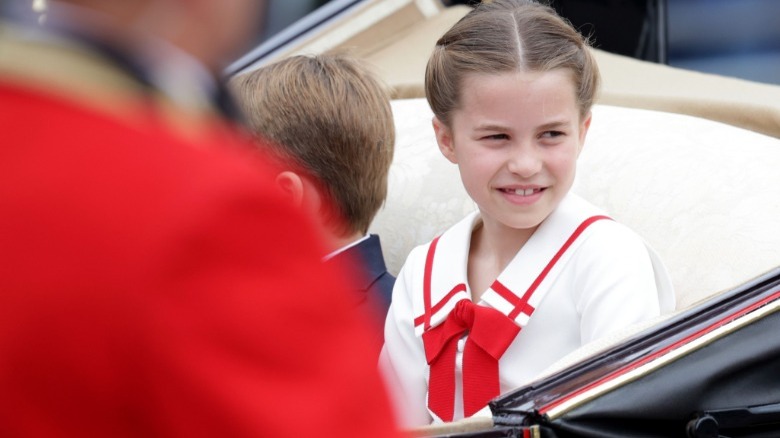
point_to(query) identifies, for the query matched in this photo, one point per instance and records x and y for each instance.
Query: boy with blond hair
(331, 129)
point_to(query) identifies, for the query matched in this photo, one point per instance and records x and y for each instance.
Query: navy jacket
(374, 285)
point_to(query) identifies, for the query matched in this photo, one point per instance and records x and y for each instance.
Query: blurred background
(737, 38)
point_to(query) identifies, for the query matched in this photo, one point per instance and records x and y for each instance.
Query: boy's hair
(505, 36)
(329, 116)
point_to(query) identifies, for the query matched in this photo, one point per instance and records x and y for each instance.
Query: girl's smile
(522, 196)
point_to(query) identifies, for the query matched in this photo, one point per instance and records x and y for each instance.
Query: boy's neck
(344, 241)
(338, 243)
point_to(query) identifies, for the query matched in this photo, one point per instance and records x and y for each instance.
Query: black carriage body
(711, 371)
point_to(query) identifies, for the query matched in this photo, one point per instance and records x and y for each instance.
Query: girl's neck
(492, 248)
(501, 241)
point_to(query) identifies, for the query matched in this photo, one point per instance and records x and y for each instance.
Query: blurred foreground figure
(152, 281)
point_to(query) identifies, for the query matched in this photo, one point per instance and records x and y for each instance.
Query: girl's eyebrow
(555, 124)
(491, 127)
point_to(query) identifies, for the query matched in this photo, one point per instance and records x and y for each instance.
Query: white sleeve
(402, 361)
(615, 282)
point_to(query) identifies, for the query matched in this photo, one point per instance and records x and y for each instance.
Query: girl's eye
(552, 134)
(496, 137)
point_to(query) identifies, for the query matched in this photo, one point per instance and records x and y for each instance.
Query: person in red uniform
(152, 281)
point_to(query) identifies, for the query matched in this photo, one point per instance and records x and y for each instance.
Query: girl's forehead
(517, 80)
(534, 94)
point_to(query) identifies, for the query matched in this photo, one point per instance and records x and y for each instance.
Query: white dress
(581, 276)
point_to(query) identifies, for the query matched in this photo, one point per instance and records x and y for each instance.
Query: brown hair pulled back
(505, 36)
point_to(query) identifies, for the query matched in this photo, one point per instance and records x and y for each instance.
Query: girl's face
(515, 138)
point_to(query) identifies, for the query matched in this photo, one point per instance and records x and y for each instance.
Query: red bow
(490, 333)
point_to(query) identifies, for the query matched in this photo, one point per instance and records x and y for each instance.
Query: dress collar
(520, 288)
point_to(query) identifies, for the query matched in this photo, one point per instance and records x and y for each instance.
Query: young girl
(536, 272)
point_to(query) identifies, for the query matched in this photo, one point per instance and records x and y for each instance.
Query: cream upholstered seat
(705, 195)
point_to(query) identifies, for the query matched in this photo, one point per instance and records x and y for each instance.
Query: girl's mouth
(524, 192)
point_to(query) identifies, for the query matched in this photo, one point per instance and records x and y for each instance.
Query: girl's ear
(584, 126)
(291, 184)
(444, 139)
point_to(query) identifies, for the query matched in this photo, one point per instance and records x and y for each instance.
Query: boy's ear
(291, 184)
(584, 126)
(444, 139)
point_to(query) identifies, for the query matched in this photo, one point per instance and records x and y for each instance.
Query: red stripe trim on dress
(455, 290)
(427, 283)
(521, 304)
(527, 295)
(632, 366)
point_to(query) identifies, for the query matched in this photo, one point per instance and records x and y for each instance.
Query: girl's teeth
(524, 192)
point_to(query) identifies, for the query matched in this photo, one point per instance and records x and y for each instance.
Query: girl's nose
(524, 161)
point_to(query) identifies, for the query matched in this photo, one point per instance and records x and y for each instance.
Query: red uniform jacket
(153, 283)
